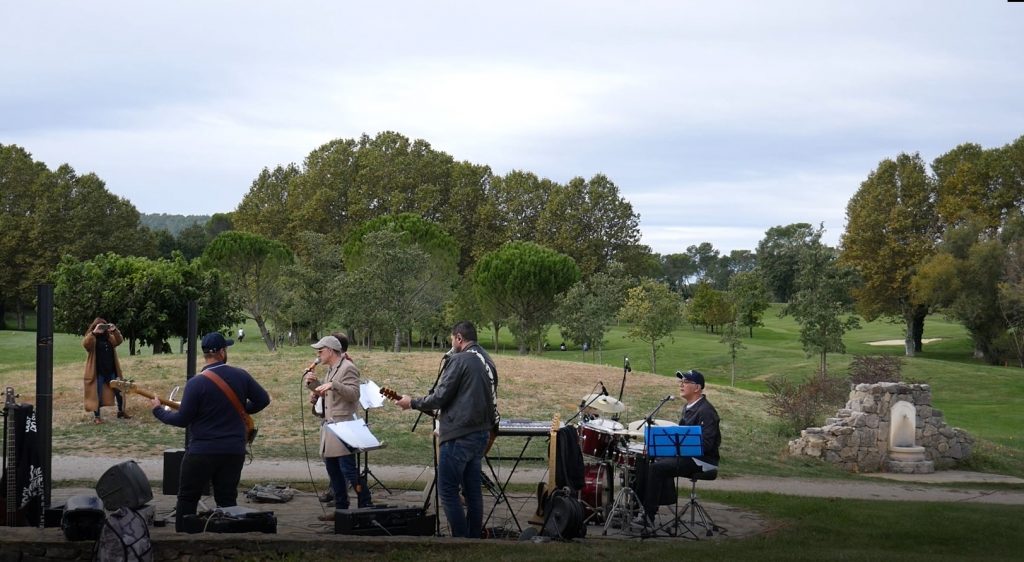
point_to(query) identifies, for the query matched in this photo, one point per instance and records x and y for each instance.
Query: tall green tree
(399, 281)
(822, 304)
(253, 265)
(778, 256)
(750, 297)
(891, 228)
(589, 306)
(589, 221)
(652, 311)
(521, 281)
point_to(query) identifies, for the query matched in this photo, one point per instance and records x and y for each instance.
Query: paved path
(943, 486)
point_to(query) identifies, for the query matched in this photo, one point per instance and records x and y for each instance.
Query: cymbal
(603, 403)
(634, 430)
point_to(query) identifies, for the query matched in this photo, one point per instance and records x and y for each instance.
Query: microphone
(669, 397)
(604, 390)
(450, 352)
(628, 370)
(312, 366)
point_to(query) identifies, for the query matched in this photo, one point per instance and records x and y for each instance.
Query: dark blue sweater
(214, 425)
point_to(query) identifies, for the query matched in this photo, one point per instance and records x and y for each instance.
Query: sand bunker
(900, 342)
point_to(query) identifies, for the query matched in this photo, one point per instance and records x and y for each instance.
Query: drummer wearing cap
(340, 393)
(215, 450)
(698, 411)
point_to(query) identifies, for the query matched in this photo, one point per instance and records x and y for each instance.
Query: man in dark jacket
(218, 435)
(698, 411)
(466, 397)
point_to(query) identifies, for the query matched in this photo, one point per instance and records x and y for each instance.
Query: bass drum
(598, 493)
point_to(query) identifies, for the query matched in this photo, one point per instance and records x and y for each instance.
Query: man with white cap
(697, 411)
(340, 393)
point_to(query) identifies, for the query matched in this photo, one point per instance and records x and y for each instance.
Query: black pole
(44, 386)
(193, 334)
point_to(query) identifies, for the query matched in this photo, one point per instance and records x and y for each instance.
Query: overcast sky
(717, 120)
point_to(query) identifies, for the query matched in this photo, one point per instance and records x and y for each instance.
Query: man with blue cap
(697, 411)
(218, 434)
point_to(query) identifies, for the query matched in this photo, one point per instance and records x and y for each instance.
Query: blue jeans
(343, 470)
(459, 467)
(118, 399)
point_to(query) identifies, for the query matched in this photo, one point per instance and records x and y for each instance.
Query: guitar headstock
(389, 393)
(123, 385)
(9, 396)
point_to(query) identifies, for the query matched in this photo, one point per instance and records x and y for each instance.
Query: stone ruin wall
(857, 438)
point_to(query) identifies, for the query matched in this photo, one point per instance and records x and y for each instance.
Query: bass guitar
(125, 385)
(10, 516)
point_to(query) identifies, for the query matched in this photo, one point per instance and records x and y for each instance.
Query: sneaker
(97, 420)
(327, 496)
(123, 415)
(642, 521)
(328, 503)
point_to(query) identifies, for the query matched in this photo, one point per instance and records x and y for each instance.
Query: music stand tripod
(676, 442)
(368, 400)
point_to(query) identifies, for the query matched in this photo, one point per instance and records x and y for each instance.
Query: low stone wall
(857, 438)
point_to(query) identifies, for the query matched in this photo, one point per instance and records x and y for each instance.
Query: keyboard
(524, 428)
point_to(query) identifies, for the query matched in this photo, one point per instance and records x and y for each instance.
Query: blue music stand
(674, 441)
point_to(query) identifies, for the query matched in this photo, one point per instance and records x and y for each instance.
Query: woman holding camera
(101, 367)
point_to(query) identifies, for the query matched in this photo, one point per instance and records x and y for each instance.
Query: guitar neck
(149, 394)
(553, 451)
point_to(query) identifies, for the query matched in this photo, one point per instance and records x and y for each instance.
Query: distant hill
(171, 223)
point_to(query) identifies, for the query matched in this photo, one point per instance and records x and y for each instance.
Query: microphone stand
(440, 371)
(649, 420)
(625, 369)
(584, 406)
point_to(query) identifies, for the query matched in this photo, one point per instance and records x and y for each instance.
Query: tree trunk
(264, 333)
(398, 340)
(908, 341)
(823, 367)
(654, 358)
(19, 311)
(919, 313)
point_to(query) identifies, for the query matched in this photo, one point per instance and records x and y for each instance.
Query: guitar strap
(232, 397)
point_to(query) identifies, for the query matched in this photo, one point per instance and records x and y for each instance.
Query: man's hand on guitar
(155, 402)
(405, 402)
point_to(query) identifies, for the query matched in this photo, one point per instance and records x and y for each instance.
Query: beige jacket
(340, 403)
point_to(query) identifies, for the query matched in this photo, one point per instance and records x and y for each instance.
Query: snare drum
(598, 493)
(626, 456)
(597, 437)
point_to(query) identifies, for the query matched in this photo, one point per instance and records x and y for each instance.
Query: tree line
(394, 240)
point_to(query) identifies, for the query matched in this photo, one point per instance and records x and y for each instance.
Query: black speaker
(384, 520)
(83, 517)
(172, 472)
(124, 485)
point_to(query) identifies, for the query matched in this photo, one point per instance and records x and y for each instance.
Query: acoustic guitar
(393, 395)
(544, 491)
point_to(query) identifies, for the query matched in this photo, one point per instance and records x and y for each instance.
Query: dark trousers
(224, 471)
(656, 483)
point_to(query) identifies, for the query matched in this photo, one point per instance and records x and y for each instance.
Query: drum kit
(608, 448)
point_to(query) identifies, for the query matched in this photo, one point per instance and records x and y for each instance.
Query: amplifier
(384, 520)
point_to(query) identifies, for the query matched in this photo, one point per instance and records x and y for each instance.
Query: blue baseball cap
(215, 341)
(693, 375)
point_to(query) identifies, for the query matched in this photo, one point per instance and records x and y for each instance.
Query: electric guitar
(544, 491)
(394, 395)
(10, 516)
